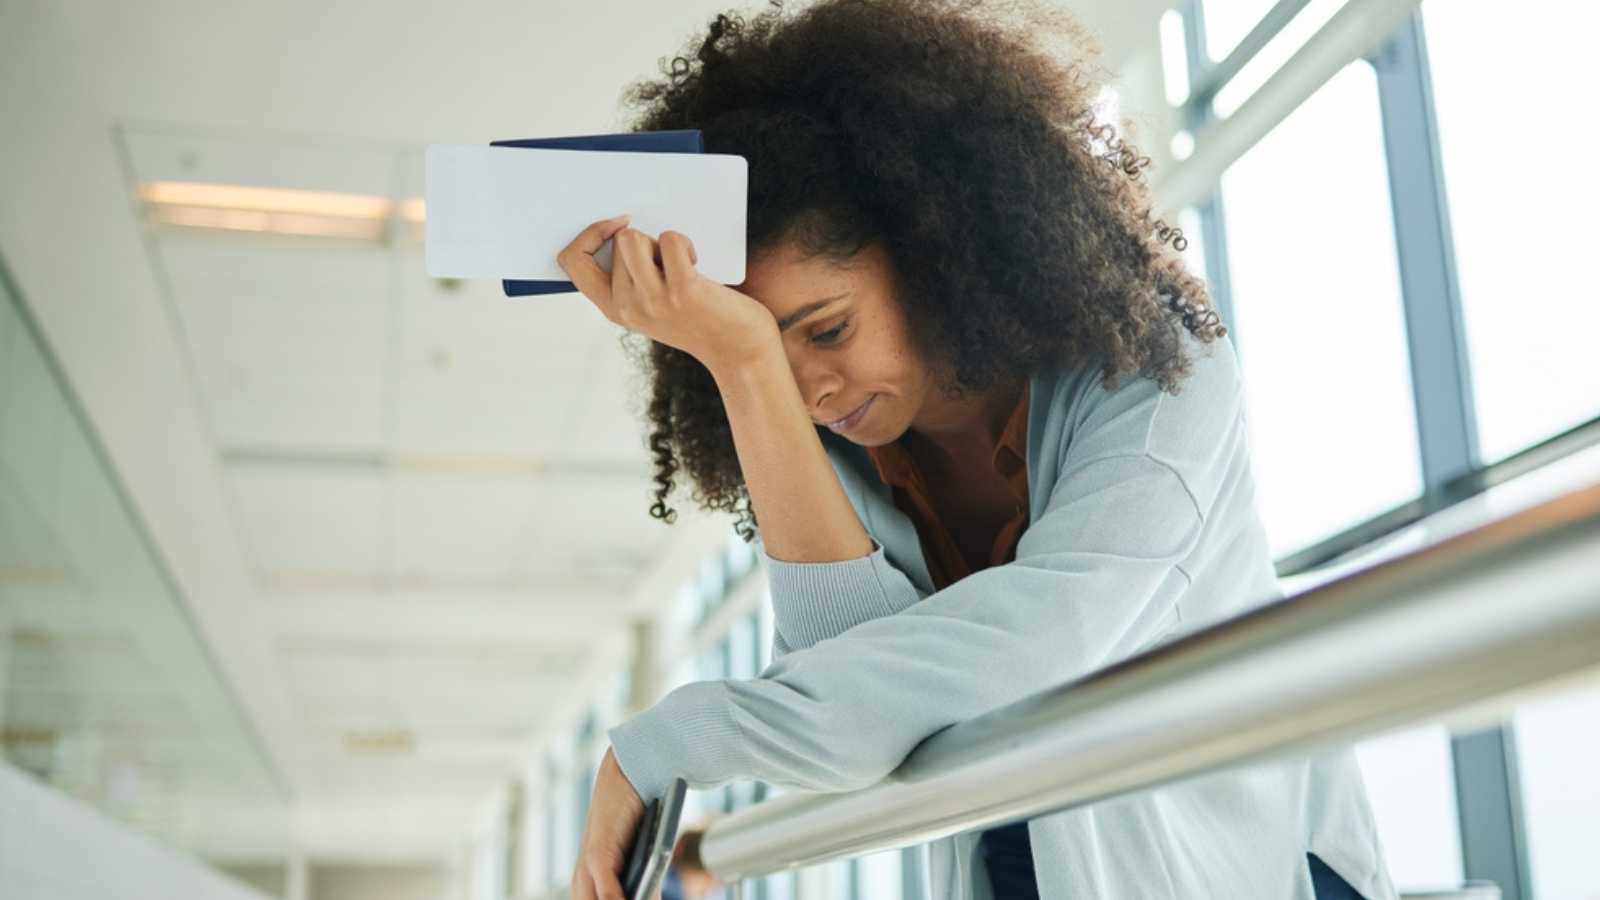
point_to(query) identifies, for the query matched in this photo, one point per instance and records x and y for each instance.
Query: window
(1228, 21)
(1518, 213)
(587, 759)
(741, 557)
(1272, 56)
(1508, 93)
(1516, 154)
(880, 874)
(742, 647)
(564, 823)
(842, 879)
(764, 628)
(1557, 744)
(1194, 252)
(711, 586)
(1321, 335)
(1316, 296)
(1411, 787)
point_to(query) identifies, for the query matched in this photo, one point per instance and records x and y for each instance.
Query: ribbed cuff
(814, 601)
(690, 734)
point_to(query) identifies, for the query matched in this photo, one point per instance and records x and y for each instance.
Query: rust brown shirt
(946, 564)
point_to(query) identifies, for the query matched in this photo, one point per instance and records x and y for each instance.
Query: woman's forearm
(803, 512)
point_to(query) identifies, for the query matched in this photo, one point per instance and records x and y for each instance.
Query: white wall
(53, 847)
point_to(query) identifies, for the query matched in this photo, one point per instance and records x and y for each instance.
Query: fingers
(678, 258)
(577, 260)
(606, 884)
(642, 269)
(582, 887)
(637, 252)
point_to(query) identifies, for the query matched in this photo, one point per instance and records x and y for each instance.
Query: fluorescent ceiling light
(236, 207)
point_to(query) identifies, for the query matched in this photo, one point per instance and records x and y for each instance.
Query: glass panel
(1519, 206)
(880, 874)
(1228, 21)
(914, 865)
(841, 880)
(107, 693)
(764, 628)
(713, 579)
(1270, 58)
(784, 886)
(1411, 786)
(1558, 747)
(565, 826)
(1174, 58)
(1194, 252)
(712, 663)
(552, 827)
(741, 556)
(1322, 335)
(742, 647)
(688, 611)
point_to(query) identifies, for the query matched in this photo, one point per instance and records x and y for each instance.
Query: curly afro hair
(1018, 225)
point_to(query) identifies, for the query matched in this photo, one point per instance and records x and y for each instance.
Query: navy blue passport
(686, 140)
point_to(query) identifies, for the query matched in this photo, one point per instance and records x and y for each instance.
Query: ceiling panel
(505, 335)
(450, 525)
(286, 161)
(290, 337)
(603, 527)
(202, 264)
(266, 407)
(311, 519)
(444, 414)
(481, 373)
(611, 426)
(422, 686)
(477, 710)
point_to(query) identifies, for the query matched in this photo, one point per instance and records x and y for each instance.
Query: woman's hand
(655, 290)
(615, 810)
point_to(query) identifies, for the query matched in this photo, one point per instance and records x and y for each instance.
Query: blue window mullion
(1488, 794)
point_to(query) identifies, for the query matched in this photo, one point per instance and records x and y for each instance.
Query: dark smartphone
(653, 843)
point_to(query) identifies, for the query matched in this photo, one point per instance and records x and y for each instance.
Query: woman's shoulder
(1136, 414)
(1213, 369)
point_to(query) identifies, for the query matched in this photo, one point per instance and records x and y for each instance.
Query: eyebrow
(794, 318)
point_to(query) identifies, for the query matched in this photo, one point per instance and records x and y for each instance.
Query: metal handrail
(1460, 626)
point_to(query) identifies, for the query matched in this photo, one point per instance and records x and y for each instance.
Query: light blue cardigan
(1142, 526)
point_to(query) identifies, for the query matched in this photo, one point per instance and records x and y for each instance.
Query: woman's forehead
(787, 279)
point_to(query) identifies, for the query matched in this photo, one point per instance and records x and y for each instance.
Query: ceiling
(391, 506)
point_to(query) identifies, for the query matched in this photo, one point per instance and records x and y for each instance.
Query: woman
(993, 431)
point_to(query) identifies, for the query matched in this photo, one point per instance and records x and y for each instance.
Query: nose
(819, 382)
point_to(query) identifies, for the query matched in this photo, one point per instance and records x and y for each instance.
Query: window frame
(1488, 795)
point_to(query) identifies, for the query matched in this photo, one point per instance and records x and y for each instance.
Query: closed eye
(831, 335)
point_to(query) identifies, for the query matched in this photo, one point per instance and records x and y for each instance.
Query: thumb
(590, 239)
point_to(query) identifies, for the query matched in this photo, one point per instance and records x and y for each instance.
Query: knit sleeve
(1097, 577)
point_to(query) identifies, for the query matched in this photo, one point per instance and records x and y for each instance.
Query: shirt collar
(896, 467)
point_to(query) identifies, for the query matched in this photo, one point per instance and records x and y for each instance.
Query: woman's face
(847, 342)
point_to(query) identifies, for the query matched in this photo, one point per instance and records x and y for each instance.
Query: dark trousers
(1008, 854)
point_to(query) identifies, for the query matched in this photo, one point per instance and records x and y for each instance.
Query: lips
(840, 421)
(853, 418)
